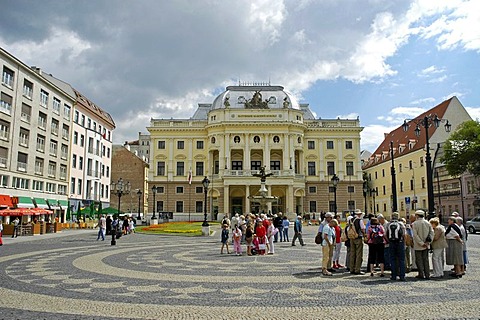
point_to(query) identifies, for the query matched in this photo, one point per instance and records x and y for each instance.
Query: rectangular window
(421, 161)
(52, 169)
(198, 189)
(349, 168)
(6, 103)
(65, 132)
(348, 144)
(180, 168)
(329, 144)
(54, 127)
(56, 105)
(180, 145)
(76, 116)
(351, 189)
(160, 168)
(66, 111)
(237, 165)
(44, 98)
(423, 182)
(27, 88)
(79, 186)
(3, 157)
(383, 172)
(311, 145)
(198, 206)
(275, 165)
(159, 206)
(401, 186)
(255, 165)
(312, 189)
(82, 140)
(161, 144)
(4, 130)
(313, 206)
(7, 77)
(3, 180)
(75, 137)
(199, 144)
(26, 113)
(384, 190)
(160, 189)
(179, 206)
(50, 187)
(330, 168)
(179, 189)
(311, 168)
(351, 205)
(53, 147)
(24, 137)
(74, 161)
(72, 186)
(20, 183)
(80, 163)
(39, 166)
(64, 151)
(40, 143)
(199, 168)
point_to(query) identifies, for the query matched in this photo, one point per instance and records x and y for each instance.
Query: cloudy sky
(382, 61)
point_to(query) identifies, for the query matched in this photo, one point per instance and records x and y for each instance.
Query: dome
(255, 97)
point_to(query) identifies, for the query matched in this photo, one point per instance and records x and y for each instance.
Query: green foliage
(462, 150)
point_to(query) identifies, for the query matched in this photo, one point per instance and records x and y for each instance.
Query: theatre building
(244, 128)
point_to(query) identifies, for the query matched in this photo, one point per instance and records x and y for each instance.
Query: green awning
(41, 203)
(53, 204)
(63, 204)
(25, 202)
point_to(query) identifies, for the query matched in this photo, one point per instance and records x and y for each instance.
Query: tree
(462, 150)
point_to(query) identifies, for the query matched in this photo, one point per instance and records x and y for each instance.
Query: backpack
(352, 231)
(375, 235)
(395, 232)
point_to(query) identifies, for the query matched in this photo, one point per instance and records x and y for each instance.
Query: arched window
(213, 140)
(236, 139)
(256, 139)
(276, 139)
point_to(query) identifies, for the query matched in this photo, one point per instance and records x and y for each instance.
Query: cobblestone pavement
(73, 276)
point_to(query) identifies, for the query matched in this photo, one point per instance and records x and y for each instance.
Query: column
(289, 203)
(226, 200)
(266, 152)
(247, 200)
(227, 150)
(286, 152)
(246, 153)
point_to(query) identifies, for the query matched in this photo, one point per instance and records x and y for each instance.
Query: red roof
(406, 139)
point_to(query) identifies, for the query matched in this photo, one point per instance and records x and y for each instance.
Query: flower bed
(179, 228)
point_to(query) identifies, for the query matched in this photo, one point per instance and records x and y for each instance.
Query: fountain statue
(263, 198)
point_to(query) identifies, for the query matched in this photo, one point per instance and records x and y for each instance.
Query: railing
(39, 170)
(40, 147)
(5, 107)
(54, 131)
(27, 92)
(7, 79)
(42, 123)
(64, 155)
(4, 135)
(25, 117)
(23, 141)
(3, 162)
(250, 173)
(21, 166)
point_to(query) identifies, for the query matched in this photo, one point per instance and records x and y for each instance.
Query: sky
(381, 61)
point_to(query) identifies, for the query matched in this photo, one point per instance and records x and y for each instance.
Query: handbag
(262, 246)
(318, 238)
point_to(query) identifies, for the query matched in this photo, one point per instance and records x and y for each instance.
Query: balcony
(39, 170)
(4, 135)
(40, 147)
(5, 107)
(25, 117)
(22, 166)
(250, 173)
(54, 131)
(3, 162)
(23, 141)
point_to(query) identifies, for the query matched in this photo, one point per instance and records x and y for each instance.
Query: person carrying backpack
(376, 246)
(395, 233)
(356, 244)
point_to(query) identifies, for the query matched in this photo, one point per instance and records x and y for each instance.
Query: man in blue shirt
(298, 231)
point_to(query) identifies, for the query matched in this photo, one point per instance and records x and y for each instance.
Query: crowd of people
(398, 245)
(114, 225)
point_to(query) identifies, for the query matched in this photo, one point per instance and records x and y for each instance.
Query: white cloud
(352, 115)
(438, 80)
(431, 70)
(474, 112)
(373, 135)
(407, 111)
(457, 94)
(429, 101)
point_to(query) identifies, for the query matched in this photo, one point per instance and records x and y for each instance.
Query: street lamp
(139, 193)
(426, 122)
(154, 192)
(205, 183)
(374, 193)
(119, 189)
(335, 180)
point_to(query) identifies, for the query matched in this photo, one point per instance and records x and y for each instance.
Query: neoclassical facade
(247, 127)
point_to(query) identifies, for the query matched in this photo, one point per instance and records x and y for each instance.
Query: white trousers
(438, 261)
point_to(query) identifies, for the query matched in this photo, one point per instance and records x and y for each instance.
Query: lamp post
(374, 193)
(119, 189)
(139, 193)
(426, 122)
(205, 183)
(335, 180)
(154, 192)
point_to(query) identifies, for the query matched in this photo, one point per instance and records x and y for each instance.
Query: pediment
(180, 157)
(330, 156)
(311, 157)
(350, 156)
(199, 157)
(161, 157)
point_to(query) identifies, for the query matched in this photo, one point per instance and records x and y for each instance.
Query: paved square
(72, 276)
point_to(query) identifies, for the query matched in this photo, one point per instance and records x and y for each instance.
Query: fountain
(263, 198)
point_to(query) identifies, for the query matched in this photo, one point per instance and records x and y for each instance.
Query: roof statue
(262, 175)
(256, 101)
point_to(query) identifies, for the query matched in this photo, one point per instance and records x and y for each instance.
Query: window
(311, 145)
(4, 130)
(256, 139)
(64, 151)
(383, 172)
(3, 157)
(329, 144)
(423, 182)
(74, 161)
(401, 186)
(199, 144)
(80, 163)
(50, 187)
(55, 126)
(26, 113)
(255, 165)
(276, 139)
(421, 161)
(89, 123)
(44, 98)
(3, 180)
(384, 190)
(180, 168)
(348, 145)
(351, 189)
(7, 77)
(400, 167)
(40, 143)
(237, 165)
(79, 186)
(159, 206)
(313, 206)
(275, 165)
(62, 189)
(330, 168)
(311, 168)
(53, 147)
(179, 189)
(160, 168)
(56, 105)
(410, 164)
(20, 183)
(180, 145)
(37, 185)
(76, 116)
(161, 144)
(66, 111)
(212, 140)
(75, 137)
(6, 103)
(198, 206)
(27, 88)
(199, 168)
(82, 140)
(52, 169)
(39, 166)
(351, 205)
(236, 139)
(160, 190)
(312, 189)
(349, 168)
(24, 136)
(65, 132)
(179, 206)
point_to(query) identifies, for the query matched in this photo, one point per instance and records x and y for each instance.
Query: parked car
(473, 225)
